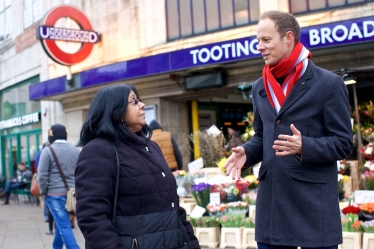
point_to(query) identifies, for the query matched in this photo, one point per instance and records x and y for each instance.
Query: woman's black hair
(104, 118)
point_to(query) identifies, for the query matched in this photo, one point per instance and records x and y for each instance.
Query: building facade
(187, 59)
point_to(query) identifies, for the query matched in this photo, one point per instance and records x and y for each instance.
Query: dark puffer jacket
(148, 213)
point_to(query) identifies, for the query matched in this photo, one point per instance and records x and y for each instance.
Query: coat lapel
(298, 90)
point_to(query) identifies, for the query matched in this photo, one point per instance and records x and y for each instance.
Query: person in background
(148, 214)
(52, 186)
(302, 127)
(234, 138)
(21, 180)
(168, 146)
(45, 207)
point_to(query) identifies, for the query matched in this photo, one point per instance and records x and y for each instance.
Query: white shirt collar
(62, 141)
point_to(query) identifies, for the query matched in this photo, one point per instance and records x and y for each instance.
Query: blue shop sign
(322, 36)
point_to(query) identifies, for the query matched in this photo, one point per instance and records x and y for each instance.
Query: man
(52, 186)
(21, 180)
(302, 125)
(168, 146)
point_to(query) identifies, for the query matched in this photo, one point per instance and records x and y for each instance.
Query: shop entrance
(20, 147)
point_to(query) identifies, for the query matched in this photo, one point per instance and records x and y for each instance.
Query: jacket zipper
(134, 242)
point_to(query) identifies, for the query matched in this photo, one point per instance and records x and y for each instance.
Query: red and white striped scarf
(292, 68)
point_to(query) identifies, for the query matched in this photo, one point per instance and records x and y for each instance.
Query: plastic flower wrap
(232, 192)
(350, 222)
(249, 131)
(218, 188)
(231, 221)
(368, 177)
(249, 222)
(250, 197)
(238, 208)
(344, 168)
(368, 226)
(368, 151)
(201, 193)
(367, 207)
(342, 179)
(196, 175)
(182, 179)
(221, 163)
(370, 165)
(253, 182)
(216, 210)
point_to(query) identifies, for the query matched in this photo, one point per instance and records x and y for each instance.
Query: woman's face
(134, 116)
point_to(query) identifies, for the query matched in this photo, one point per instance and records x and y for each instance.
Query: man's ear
(290, 38)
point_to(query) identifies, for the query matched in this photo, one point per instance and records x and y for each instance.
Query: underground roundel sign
(49, 34)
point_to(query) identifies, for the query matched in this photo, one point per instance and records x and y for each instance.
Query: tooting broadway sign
(49, 34)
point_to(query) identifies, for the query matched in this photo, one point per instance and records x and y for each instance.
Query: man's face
(272, 47)
(21, 167)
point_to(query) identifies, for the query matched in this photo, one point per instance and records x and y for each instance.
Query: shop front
(20, 127)
(204, 79)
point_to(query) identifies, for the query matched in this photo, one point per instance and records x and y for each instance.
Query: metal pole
(357, 116)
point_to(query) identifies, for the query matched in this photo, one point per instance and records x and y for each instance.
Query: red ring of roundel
(51, 47)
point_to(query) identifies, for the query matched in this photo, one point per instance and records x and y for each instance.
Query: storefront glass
(20, 126)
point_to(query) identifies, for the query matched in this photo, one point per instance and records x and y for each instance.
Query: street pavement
(22, 226)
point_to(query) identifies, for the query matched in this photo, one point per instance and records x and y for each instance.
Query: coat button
(303, 84)
(278, 121)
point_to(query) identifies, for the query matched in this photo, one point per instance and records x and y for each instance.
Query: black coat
(297, 202)
(148, 211)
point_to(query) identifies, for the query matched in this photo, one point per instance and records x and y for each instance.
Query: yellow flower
(346, 178)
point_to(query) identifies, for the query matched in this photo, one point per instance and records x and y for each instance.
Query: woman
(148, 214)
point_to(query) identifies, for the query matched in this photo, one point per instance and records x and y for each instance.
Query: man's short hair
(284, 22)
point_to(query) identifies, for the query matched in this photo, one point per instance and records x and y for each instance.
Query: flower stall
(224, 209)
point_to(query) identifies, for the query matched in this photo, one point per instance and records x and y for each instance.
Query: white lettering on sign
(68, 34)
(340, 33)
(366, 28)
(19, 121)
(226, 51)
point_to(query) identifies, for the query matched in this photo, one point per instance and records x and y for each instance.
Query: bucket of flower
(367, 215)
(207, 230)
(351, 226)
(231, 231)
(248, 237)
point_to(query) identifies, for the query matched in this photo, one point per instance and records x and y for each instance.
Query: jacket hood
(155, 125)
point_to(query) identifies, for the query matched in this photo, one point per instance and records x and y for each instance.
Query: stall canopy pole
(357, 116)
(349, 80)
(195, 128)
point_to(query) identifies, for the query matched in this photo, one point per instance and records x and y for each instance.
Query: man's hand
(288, 145)
(235, 162)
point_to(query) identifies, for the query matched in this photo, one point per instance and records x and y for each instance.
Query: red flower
(351, 210)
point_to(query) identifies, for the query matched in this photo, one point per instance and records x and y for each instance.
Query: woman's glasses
(135, 101)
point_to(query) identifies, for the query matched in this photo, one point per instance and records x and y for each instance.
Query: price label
(363, 196)
(196, 165)
(197, 212)
(215, 198)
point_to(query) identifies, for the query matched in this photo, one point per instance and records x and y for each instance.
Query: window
(32, 12)
(5, 20)
(14, 101)
(186, 18)
(304, 6)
